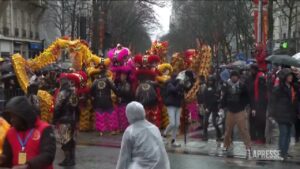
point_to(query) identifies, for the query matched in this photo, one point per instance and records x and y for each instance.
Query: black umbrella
(283, 60)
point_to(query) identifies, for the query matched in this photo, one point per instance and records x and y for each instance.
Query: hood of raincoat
(135, 112)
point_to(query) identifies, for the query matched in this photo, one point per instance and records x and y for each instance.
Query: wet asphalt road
(90, 157)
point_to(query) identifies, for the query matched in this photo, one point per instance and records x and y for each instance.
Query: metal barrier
(5, 95)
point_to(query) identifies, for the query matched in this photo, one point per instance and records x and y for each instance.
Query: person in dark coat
(257, 88)
(173, 100)
(30, 143)
(284, 109)
(235, 99)
(210, 103)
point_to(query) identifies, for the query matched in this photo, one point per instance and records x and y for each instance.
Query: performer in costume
(193, 87)
(147, 90)
(85, 106)
(66, 116)
(165, 72)
(119, 57)
(101, 93)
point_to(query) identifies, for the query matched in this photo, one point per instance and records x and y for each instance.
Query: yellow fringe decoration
(20, 66)
(165, 117)
(46, 104)
(85, 117)
(4, 127)
(177, 63)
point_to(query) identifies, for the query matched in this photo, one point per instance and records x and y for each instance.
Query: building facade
(281, 25)
(19, 27)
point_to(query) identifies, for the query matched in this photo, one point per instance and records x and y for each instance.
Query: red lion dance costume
(119, 57)
(147, 91)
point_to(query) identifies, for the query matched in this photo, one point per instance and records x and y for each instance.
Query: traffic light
(284, 45)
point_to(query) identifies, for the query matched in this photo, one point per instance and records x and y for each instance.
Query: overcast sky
(163, 15)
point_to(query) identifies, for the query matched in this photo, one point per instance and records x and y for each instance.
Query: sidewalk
(193, 146)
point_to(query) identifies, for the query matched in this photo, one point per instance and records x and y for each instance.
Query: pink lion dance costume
(119, 57)
(146, 89)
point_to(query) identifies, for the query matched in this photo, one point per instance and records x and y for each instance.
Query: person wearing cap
(30, 143)
(235, 99)
(284, 109)
(142, 145)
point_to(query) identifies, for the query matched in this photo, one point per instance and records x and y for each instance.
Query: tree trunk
(270, 20)
(63, 31)
(237, 42)
(229, 51)
(270, 27)
(95, 27)
(73, 19)
(290, 21)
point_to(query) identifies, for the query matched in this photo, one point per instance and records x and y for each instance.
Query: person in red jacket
(30, 143)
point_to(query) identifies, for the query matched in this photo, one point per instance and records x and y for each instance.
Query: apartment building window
(31, 35)
(284, 36)
(16, 18)
(23, 33)
(5, 31)
(23, 26)
(294, 34)
(4, 19)
(37, 35)
(31, 26)
(17, 32)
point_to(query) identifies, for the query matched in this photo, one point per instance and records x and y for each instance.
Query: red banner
(264, 2)
(264, 35)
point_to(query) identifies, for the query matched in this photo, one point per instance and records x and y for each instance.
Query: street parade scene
(149, 84)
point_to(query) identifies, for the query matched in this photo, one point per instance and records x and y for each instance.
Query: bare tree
(287, 8)
(64, 15)
(128, 26)
(57, 15)
(199, 19)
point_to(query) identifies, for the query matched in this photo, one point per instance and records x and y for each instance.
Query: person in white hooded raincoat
(142, 145)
